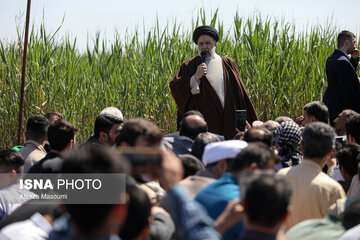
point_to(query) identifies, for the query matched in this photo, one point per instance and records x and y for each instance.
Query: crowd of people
(280, 178)
(276, 180)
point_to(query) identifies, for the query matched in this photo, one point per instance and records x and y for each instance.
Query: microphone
(203, 56)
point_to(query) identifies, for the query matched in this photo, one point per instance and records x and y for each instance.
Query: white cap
(217, 151)
(113, 111)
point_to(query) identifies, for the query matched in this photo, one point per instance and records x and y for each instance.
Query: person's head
(318, 142)
(258, 134)
(287, 137)
(266, 200)
(205, 37)
(316, 111)
(257, 123)
(112, 111)
(348, 157)
(36, 128)
(271, 125)
(346, 41)
(190, 163)
(281, 119)
(140, 133)
(351, 216)
(218, 156)
(106, 128)
(352, 127)
(254, 156)
(96, 159)
(61, 135)
(190, 113)
(340, 121)
(137, 224)
(193, 112)
(53, 116)
(11, 162)
(192, 125)
(201, 141)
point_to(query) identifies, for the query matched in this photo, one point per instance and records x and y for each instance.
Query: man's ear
(313, 119)
(70, 144)
(253, 166)
(222, 166)
(121, 211)
(288, 212)
(103, 137)
(347, 44)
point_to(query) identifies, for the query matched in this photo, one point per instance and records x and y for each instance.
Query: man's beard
(211, 53)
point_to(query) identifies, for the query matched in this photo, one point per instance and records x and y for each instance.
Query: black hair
(343, 36)
(37, 127)
(257, 153)
(347, 157)
(351, 216)
(318, 139)
(104, 122)
(258, 134)
(51, 116)
(92, 159)
(318, 110)
(267, 197)
(352, 126)
(193, 112)
(190, 163)
(139, 211)
(138, 127)
(11, 160)
(60, 133)
(201, 141)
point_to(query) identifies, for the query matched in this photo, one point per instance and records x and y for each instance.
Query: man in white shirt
(36, 136)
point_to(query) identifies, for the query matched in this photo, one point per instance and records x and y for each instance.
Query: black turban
(205, 30)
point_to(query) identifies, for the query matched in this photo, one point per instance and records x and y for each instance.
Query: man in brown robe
(211, 84)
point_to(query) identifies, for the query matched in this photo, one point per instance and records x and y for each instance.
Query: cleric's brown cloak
(220, 121)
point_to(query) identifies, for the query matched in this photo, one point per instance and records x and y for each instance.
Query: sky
(83, 18)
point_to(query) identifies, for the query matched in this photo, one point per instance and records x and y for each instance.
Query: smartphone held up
(240, 119)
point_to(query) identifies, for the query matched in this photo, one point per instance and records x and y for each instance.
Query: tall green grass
(282, 69)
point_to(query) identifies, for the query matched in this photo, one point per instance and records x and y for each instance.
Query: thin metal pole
(23, 72)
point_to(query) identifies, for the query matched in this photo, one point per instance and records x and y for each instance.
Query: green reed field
(282, 69)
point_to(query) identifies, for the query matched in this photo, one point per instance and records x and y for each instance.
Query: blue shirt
(190, 218)
(215, 198)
